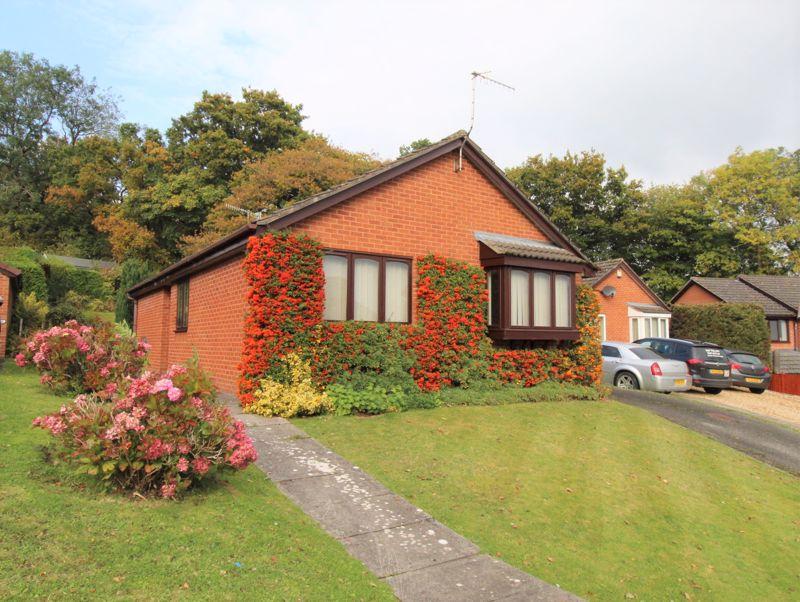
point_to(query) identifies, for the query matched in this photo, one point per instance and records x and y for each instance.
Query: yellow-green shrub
(294, 395)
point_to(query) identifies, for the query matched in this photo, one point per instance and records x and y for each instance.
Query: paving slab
(408, 547)
(274, 431)
(475, 578)
(347, 486)
(296, 459)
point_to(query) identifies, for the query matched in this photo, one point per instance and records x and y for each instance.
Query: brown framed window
(182, 314)
(530, 303)
(779, 331)
(366, 287)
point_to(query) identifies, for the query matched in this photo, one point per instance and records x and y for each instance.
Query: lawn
(606, 500)
(240, 539)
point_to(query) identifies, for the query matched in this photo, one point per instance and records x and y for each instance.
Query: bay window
(369, 288)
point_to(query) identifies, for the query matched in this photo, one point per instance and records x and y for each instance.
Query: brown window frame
(778, 340)
(182, 306)
(505, 331)
(351, 256)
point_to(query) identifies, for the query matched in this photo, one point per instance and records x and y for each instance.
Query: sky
(666, 89)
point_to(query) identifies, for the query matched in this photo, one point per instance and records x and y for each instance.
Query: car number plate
(679, 382)
(713, 371)
(752, 380)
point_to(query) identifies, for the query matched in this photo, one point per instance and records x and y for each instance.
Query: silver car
(633, 366)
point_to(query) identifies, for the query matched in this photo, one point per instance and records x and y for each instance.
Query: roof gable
(785, 289)
(606, 267)
(733, 290)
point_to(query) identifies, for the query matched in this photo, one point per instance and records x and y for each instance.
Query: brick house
(449, 199)
(629, 309)
(8, 280)
(778, 295)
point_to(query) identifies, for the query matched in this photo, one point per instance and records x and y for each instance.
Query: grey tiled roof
(735, 291)
(603, 269)
(83, 263)
(526, 247)
(785, 289)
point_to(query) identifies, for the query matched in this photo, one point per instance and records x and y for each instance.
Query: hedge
(33, 277)
(131, 272)
(741, 326)
(62, 277)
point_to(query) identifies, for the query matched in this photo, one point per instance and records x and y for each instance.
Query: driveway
(780, 406)
(763, 439)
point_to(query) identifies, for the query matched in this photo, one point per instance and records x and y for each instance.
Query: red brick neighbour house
(8, 278)
(373, 230)
(778, 295)
(629, 310)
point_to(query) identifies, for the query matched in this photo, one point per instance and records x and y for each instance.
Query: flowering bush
(286, 299)
(290, 394)
(84, 359)
(162, 435)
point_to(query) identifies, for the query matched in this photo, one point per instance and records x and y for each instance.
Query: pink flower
(38, 357)
(20, 360)
(174, 393)
(201, 465)
(168, 490)
(164, 384)
(183, 465)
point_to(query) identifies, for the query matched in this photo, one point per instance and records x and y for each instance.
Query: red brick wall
(615, 308)
(696, 295)
(5, 312)
(430, 209)
(151, 323)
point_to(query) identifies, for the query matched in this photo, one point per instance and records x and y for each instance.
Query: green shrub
(72, 306)
(33, 279)
(31, 312)
(131, 272)
(732, 325)
(62, 278)
(492, 393)
(289, 391)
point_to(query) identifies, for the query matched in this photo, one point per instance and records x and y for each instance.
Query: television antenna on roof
(476, 75)
(255, 215)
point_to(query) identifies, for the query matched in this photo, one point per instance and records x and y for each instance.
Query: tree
(39, 104)
(414, 146)
(279, 180)
(586, 199)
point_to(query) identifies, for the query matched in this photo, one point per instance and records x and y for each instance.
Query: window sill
(182, 329)
(534, 334)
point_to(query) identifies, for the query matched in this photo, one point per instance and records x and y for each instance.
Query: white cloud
(667, 89)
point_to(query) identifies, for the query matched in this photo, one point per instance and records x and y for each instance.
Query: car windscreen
(746, 358)
(713, 354)
(643, 353)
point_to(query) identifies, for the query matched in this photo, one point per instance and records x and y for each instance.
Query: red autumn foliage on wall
(450, 338)
(285, 301)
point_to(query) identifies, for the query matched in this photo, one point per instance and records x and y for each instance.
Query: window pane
(520, 298)
(634, 329)
(647, 331)
(365, 290)
(563, 304)
(602, 327)
(542, 304)
(396, 302)
(784, 330)
(773, 330)
(493, 283)
(335, 268)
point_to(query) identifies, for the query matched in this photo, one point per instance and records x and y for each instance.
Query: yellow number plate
(752, 380)
(679, 382)
(716, 372)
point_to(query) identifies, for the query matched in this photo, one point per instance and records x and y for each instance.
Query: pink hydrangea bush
(165, 433)
(83, 359)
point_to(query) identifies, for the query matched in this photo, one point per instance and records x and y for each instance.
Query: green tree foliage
(584, 197)
(40, 103)
(414, 146)
(738, 326)
(132, 271)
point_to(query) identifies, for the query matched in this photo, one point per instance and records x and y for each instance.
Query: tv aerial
(476, 75)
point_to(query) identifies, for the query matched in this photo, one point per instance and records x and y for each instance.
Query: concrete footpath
(418, 557)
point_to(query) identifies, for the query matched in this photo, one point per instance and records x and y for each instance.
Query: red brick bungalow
(629, 309)
(778, 295)
(449, 199)
(8, 279)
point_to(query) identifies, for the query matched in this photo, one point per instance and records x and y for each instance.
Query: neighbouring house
(778, 295)
(449, 199)
(8, 289)
(629, 309)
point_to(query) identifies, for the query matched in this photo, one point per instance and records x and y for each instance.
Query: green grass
(606, 500)
(59, 542)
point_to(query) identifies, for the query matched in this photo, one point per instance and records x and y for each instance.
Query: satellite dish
(608, 291)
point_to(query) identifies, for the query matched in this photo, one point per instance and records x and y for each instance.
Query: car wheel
(712, 390)
(666, 392)
(626, 380)
(757, 391)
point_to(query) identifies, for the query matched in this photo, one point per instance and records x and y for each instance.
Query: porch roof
(527, 247)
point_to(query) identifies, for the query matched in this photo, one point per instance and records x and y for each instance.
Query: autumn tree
(280, 179)
(414, 146)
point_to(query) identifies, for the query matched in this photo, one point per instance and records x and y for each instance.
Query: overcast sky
(666, 89)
